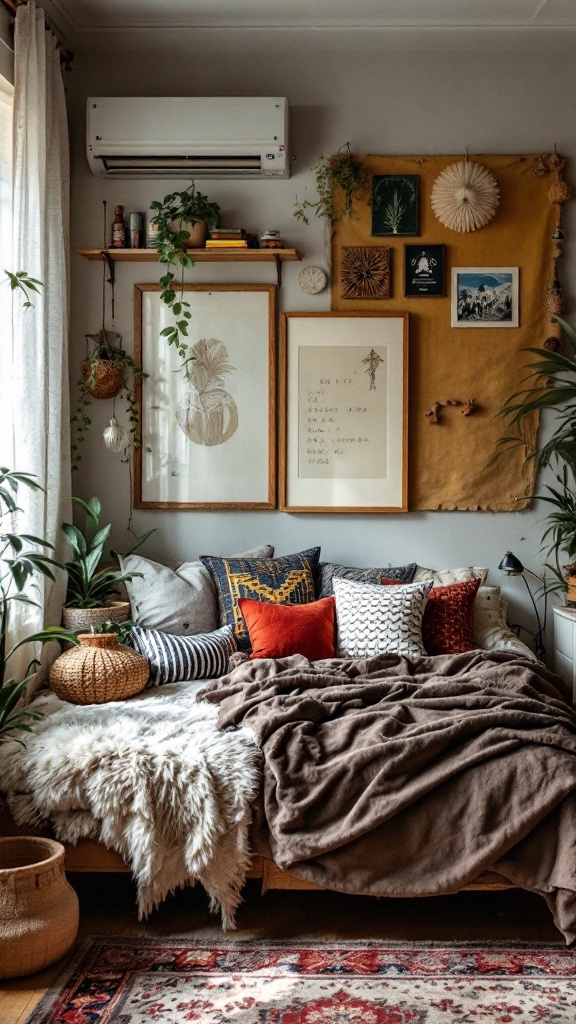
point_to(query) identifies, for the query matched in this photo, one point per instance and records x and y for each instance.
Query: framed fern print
(208, 420)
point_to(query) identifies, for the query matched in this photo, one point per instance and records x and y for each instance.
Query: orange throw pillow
(448, 621)
(279, 630)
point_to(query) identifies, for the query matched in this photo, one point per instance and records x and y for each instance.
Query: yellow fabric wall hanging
(450, 463)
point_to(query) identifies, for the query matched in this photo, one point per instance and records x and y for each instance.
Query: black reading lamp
(512, 566)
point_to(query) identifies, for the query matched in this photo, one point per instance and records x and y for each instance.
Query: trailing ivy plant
(171, 216)
(105, 351)
(340, 181)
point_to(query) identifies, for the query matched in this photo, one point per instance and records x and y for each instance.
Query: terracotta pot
(107, 377)
(98, 671)
(198, 231)
(76, 619)
(38, 907)
(571, 590)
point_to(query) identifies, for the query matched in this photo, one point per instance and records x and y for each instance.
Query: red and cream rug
(134, 981)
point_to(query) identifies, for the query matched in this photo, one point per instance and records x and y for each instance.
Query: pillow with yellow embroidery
(287, 580)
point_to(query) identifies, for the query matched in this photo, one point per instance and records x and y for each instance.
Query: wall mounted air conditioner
(175, 137)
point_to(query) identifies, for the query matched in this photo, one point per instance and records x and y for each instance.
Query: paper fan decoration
(465, 196)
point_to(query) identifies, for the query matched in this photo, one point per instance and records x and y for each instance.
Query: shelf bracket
(278, 262)
(111, 268)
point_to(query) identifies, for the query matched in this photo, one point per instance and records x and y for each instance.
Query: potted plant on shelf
(107, 372)
(552, 385)
(340, 181)
(182, 219)
(92, 593)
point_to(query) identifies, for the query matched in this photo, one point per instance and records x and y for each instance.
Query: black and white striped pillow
(173, 659)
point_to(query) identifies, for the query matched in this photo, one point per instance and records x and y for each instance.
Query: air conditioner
(175, 137)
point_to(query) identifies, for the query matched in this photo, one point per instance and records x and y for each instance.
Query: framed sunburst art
(208, 420)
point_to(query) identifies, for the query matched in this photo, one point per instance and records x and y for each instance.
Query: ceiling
(84, 21)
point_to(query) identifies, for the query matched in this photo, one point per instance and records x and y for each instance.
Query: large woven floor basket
(98, 671)
(38, 906)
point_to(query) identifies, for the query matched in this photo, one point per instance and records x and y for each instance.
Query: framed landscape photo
(207, 423)
(485, 297)
(344, 412)
(394, 204)
(423, 270)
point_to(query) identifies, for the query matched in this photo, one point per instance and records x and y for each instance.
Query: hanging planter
(103, 373)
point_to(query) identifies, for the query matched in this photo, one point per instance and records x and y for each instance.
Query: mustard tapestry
(450, 462)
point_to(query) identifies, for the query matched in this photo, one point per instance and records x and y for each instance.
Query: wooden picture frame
(208, 428)
(344, 412)
(485, 297)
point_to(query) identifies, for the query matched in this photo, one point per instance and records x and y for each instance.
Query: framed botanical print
(208, 421)
(344, 412)
(394, 204)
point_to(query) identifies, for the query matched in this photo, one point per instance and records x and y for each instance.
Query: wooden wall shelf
(277, 256)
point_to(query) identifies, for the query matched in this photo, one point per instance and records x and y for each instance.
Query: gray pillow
(327, 570)
(179, 601)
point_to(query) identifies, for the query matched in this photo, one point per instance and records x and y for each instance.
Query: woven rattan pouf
(38, 906)
(98, 671)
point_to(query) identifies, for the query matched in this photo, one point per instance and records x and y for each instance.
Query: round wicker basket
(81, 619)
(38, 907)
(107, 377)
(98, 671)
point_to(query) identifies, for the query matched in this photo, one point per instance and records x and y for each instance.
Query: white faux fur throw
(152, 778)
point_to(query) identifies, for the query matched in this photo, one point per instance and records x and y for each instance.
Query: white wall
(382, 102)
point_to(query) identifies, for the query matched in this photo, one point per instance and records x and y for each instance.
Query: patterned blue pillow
(327, 571)
(173, 659)
(286, 580)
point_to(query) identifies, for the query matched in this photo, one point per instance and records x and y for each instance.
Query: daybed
(371, 768)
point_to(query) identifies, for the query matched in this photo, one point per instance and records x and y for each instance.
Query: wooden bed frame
(91, 856)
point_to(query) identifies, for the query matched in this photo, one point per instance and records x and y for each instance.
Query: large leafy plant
(551, 384)
(22, 558)
(88, 585)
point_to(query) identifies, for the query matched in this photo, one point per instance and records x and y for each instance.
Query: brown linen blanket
(396, 777)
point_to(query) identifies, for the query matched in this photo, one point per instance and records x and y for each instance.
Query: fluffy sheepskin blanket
(152, 778)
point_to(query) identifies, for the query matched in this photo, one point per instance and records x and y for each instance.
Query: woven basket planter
(81, 619)
(98, 671)
(38, 907)
(107, 377)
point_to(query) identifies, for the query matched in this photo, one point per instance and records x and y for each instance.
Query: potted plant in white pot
(183, 219)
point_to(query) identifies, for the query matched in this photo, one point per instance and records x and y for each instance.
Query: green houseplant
(107, 371)
(340, 181)
(22, 557)
(175, 217)
(551, 384)
(92, 591)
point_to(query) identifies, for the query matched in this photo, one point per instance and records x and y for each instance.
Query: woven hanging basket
(82, 619)
(107, 377)
(38, 907)
(98, 671)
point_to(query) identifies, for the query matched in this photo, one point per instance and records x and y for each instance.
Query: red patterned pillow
(278, 630)
(449, 618)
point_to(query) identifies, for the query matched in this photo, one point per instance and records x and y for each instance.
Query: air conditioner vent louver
(234, 137)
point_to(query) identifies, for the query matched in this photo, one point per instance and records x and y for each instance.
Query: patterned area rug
(136, 981)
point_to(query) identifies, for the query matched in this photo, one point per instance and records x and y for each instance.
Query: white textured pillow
(443, 577)
(374, 619)
(179, 601)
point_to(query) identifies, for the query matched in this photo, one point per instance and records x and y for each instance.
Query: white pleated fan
(465, 196)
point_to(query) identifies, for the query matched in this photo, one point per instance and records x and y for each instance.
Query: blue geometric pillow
(173, 659)
(286, 580)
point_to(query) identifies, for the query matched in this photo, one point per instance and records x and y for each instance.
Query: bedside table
(565, 646)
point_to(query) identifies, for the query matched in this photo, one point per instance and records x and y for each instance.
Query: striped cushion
(176, 658)
(373, 619)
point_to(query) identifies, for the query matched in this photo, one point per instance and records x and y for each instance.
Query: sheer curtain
(39, 439)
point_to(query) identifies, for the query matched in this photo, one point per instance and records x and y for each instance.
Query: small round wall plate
(312, 280)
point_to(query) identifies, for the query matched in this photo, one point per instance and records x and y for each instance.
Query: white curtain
(40, 441)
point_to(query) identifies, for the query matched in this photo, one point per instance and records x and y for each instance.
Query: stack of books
(227, 238)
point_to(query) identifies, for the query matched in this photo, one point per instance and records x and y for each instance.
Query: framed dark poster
(394, 204)
(423, 270)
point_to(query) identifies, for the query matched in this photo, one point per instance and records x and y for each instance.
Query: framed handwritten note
(344, 415)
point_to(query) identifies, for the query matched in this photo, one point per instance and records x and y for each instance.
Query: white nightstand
(565, 646)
